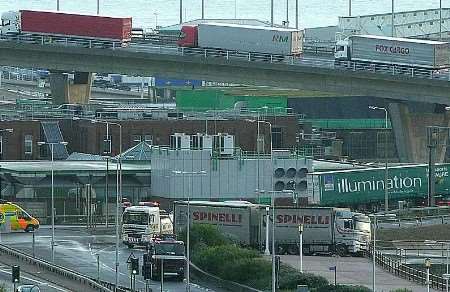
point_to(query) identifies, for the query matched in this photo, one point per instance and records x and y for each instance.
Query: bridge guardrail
(399, 269)
(62, 271)
(387, 69)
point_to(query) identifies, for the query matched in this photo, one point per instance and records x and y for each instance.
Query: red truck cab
(188, 36)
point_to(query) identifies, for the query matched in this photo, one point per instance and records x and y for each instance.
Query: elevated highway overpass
(309, 73)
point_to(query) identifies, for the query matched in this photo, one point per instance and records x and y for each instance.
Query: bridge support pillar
(410, 132)
(65, 90)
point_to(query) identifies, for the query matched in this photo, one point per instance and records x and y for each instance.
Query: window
(136, 139)
(277, 137)
(28, 144)
(148, 139)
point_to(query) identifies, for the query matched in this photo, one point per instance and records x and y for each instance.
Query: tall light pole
(287, 13)
(57, 5)
(181, 11)
(271, 12)
(296, 14)
(386, 189)
(393, 21)
(98, 7)
(300, 249)
(52, 144)
(118, 193)
(428, 266)
(374, 254)
(349, 7)
(1, 145)
(203, 9)
(188, 253)
(440, 19)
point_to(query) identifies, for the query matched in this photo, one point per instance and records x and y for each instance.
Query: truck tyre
(341, 250)
(292, 250)
(30, 228)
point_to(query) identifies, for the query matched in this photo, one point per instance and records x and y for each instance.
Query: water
(146, 13)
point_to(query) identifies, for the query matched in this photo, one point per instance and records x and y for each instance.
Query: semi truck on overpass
(406, 53)
(326, 230)
(101, 29)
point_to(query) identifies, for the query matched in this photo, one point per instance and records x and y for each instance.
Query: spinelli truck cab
(16, 217)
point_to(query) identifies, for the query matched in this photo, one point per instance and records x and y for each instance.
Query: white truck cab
(352, 232)
(10, 23)
(342, 50)
(140, 224)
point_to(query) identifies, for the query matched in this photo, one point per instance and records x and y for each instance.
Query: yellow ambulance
(18, 218)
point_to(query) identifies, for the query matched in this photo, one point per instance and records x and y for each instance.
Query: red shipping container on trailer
(77, 25)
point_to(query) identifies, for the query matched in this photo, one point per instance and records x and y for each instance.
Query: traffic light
(134, 266)
(147, 267)
(15, 274)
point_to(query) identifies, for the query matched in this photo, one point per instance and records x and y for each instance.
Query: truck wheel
(292, 250)
(30, 228)
(341, 250)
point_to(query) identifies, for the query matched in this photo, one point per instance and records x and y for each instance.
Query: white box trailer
(238, 220)
(248, 38)
(414, 53)
(325, 229)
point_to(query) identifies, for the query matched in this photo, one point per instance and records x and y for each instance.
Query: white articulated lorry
(326, 230)
(379, 50)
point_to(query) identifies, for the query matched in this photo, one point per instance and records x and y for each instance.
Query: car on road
(28, 288)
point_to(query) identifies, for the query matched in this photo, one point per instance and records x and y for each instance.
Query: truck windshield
(169, 249)
(135, 218)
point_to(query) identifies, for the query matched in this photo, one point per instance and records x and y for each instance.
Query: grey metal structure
(268, 40)
(226, 177)
(402, 51)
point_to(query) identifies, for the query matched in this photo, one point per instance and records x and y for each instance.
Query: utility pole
(181, 11)
(349, 7)
(296, 14)
(393, 21)
(98, 7)
(440, 20)
(271, 12)
(287, 13)
(203, 9)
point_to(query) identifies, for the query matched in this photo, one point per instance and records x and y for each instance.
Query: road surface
(351, 271)
(77, 249)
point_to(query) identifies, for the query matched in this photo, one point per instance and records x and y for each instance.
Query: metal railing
(385, 69)
(401, 270)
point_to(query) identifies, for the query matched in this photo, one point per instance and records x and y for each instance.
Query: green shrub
(201, 235)
(2, 288)
(290, 278)
(341, 288)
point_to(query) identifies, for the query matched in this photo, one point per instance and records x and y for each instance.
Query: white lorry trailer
(410, 53)
(140, 224)
(326, 230)
(243, 38)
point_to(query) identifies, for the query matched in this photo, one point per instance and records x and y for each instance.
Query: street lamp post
(1, 145)
(98, 7)
(52, 144)
(188, 253)
(374, 254)
(386, 189)
(428, 265)
(118, 194)
(440, 19)
(203, 9)
(267, 251)
(57, 5)
(271, 12)
(300, 251)
(181, 11)
(296, 14)
(393, 21)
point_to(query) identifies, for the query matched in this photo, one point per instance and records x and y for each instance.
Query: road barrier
(399, 269)
(62, 271)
